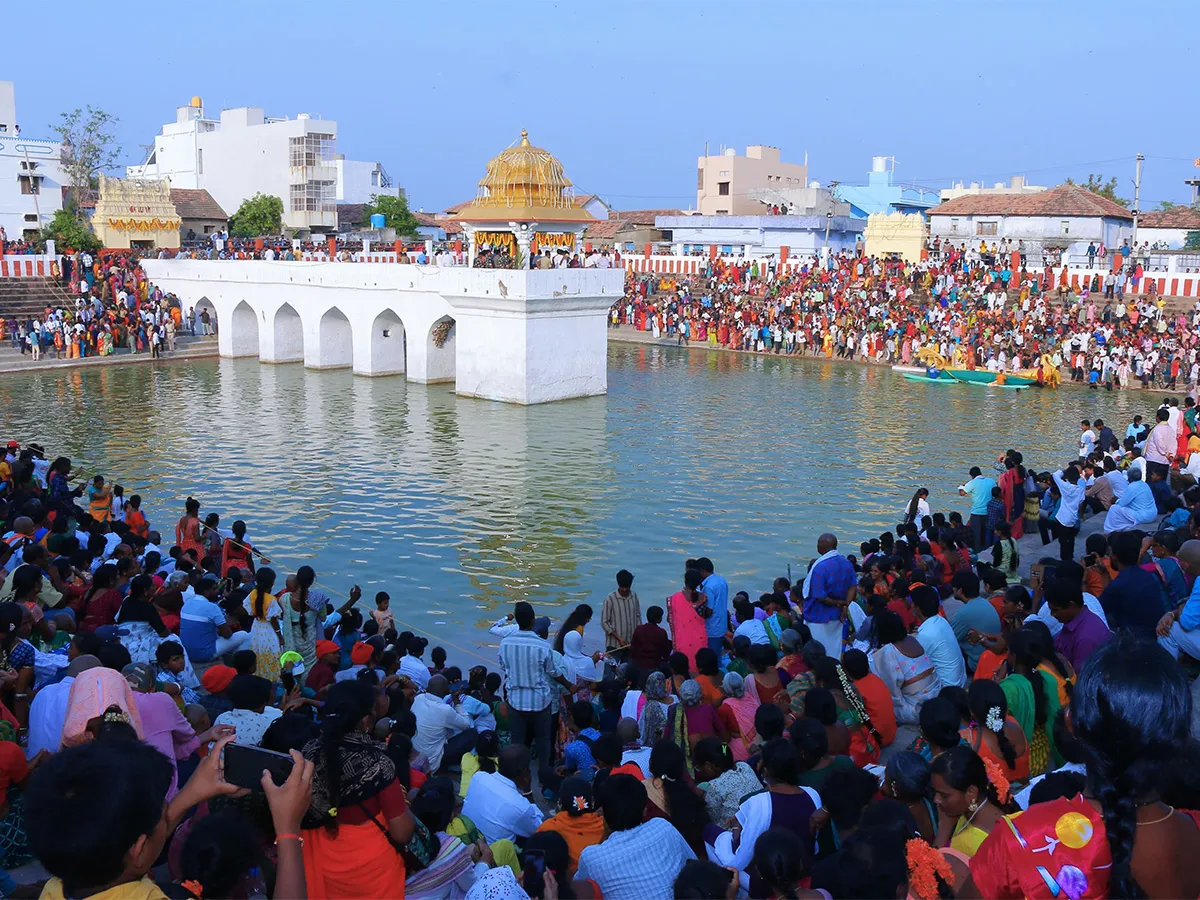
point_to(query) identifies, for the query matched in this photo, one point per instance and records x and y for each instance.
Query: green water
(459, 507)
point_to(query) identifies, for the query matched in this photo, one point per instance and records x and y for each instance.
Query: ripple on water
(459, 507)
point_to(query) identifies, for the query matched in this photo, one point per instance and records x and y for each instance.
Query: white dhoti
(1125, 518)
(829, 634)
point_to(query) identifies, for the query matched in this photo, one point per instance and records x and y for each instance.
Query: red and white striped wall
(26, 266)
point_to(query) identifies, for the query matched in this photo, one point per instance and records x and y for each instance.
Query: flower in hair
(995, 722)
(193, 887)
(333, 812)
(998, 780)
(117, 715)
(579, 803)
(925, 864)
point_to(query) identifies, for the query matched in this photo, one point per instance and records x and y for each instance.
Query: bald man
(828, 589)
(1179, 630)
(443, 733)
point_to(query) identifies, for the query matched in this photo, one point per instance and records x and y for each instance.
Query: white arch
(388, 340)
(243, 328)
(288, 334)
(335, 341)
(439, 361)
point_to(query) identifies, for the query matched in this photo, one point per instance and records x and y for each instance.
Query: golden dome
(525, 182)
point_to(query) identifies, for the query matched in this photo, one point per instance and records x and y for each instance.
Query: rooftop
(196, 204)
(642, 216)
(1175, 217)
(1064, 200)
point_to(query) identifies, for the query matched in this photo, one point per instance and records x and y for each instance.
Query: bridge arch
(287, 336)
(335, 342)
(387, 346)
(439, 350)
(242, 327)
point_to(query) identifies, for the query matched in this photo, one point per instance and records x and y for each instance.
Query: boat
(983, 376)
(927, 379)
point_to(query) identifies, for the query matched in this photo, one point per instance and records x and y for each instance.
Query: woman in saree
(237, 551)
(303, 612)
(737, 714)
(1032, 700)
(582, 671)
(904, 667)
(684, 616)
(188, 531)
(1012, 492)
(106, 343)
(865, 741)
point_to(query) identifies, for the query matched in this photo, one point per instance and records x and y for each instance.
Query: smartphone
(457, 687)
(534, 873)
(535, 861)
(244, 765)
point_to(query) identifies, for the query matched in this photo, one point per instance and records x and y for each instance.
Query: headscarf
(690, 693)
(654, 714)
(92, 692)
(734, 685)
(364, 771)
(497, 884)
(579, 666)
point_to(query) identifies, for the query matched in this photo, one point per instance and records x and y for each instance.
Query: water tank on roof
(730, 151)
(378, 220)
(879, 163)
(814, 184)
(304, 116)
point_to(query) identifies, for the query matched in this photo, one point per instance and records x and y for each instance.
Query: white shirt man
(498, 809)
(936, 635)
(437, 722)
(1162, 443)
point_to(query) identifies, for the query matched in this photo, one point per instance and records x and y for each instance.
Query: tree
(1192, 242)
(89, 146)
(260, 215)
(1097, 185)
(395, 212)
(69, 232)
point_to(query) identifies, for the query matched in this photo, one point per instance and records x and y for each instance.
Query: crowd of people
(114, 308)
(967, 304)
(178, 718)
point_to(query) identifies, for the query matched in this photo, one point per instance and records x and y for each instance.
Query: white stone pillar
(524, 238)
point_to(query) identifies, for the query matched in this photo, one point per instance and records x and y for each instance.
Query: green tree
(260, 215)
(1097, 185)
(69, 231)
(1193, 241)
(89, 146)
(395, 211)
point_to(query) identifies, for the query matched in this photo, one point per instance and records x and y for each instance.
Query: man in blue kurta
(828, 590)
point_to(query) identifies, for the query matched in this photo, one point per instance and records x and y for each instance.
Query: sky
(627, 94)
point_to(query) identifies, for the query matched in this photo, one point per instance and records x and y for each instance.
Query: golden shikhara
(524, 182)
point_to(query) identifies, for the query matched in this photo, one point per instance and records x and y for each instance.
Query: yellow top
(130, 890)
(525, 182)
(967, 837)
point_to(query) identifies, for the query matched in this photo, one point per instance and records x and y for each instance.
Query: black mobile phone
(244, 765)
(457, 686)
(535, 861)
(533, 872)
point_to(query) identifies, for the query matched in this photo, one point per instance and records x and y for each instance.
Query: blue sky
(627, 93)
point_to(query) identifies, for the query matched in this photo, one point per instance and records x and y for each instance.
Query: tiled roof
(605, 229)
(1064, 200)
(641, 216)
(196, 204)
(1176, 217)
(434, 220)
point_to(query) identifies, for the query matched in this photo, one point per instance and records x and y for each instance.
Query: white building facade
(31, 179)
(245, 152)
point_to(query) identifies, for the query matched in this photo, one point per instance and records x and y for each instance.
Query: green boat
(928, 380)
(983, 376)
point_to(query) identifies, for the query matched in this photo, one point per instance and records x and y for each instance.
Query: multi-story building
(1016, 185)
(732, 185)
(883, 194)
(245, 152)
(31, 179)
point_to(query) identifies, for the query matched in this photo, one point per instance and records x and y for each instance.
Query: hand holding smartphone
(244, 765)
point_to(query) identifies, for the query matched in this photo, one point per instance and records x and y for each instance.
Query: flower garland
(925, 867)
(998, 780)
(856, 701)
(441, 333)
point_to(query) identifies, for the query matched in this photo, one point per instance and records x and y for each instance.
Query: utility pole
(1137, 196)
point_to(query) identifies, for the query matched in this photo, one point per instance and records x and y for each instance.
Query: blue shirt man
(716, 589)
(979, 490)
(829, 582)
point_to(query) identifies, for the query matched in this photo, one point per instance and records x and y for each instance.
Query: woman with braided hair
(1130, 712)
(993, 733)
(971, 796)
(1032, 696)
(865, 740)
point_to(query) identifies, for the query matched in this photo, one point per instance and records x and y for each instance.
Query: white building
(30, 177)
(244, 152)
(1168, 229)
(1016, 185)
(1068, 218)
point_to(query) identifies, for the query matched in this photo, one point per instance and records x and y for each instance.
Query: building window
(310, 149)
(200, 162)
(723, 188)
(375, 178)
(3, 129)
(30, 217)
(985, 227)
(954, 226)
(700, 179)
(727, 248)
(722, 212)
(314, 196)
(30, 185)
(1065, 225)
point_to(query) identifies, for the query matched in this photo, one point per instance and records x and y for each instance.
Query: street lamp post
(828, 222)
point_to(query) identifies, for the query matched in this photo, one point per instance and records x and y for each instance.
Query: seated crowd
(910, 722)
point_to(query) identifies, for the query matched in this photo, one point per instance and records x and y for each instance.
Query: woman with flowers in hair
(1032, 698)
(971, 796)
(993, 733)
(865, 740)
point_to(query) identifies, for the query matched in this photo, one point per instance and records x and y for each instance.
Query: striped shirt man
(527, 663)
(619, 617)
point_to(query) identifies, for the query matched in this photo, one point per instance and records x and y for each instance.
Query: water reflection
(459, 507)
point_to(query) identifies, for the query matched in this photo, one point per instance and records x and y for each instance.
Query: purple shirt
(832, 577)
(1080, 637)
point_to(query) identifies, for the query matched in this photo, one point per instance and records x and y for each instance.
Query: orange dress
(187, 536)
(974, 737)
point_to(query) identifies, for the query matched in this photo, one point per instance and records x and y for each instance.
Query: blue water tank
(378, 220)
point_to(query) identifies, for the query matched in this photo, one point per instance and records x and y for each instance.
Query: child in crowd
(650, 646)
(381, 613)
(169, 672)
